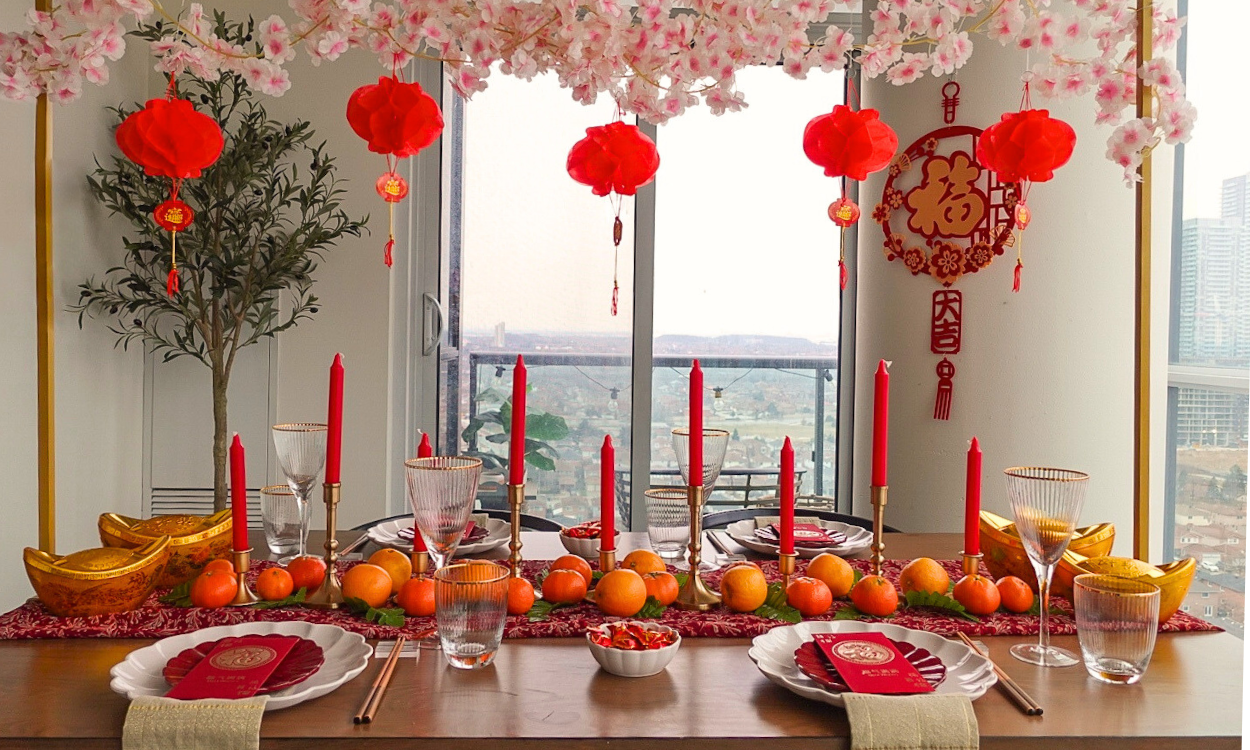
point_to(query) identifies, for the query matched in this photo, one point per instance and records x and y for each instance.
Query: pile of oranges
(623, 592)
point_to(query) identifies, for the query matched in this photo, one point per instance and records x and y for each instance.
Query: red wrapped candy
(849, 143)
(1027, 145)
(631, 636)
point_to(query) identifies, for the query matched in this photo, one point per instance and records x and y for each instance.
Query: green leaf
(652, 610)
(855, 579)
(296, 598)
(390, 617)
(539, 461)
(777, 607)
(178, 596)
(542, 609)
(849, 612)
(681, 579)
(939, 601)
(545, 427)
(595, 575)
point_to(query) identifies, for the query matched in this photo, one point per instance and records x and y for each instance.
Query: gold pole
(1141, 363)
(972, 564)
(243, 563)
(879, 495)
(785, 566)
(516, 496)
(695, 595)
(46, 399)
(330, 594)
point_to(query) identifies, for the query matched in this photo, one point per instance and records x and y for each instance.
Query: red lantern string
(1025, 147)
(850, 144)
(169, 138)
(397, 119)
(616, 159)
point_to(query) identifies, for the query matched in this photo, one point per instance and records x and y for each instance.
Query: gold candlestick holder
(972, 564)
(516, 496)
(879, 493)
(330, 594)
(607, 559)
(242, 560)
(785, 564)
(420, 562)
(695, 595)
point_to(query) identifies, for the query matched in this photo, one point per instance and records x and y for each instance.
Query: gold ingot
(1173, 579)
(100, 581)
(194, 540)
(1004, 552)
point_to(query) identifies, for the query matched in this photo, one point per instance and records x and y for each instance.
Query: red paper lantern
(391, 187)
(849, 143)
(173, 215)
(1027, 145)
(396, 118)
(168, 138)
(614, 158)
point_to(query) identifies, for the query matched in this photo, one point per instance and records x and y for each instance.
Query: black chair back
(528, 522)
(721, 519)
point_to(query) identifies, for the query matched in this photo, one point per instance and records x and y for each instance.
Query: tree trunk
(220, 438)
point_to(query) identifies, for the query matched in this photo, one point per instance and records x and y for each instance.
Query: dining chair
(721, 519)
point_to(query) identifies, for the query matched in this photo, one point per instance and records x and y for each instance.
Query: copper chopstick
(1022, 699)
(380, 682)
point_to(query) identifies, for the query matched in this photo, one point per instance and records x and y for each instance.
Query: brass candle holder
(607, 559)
(330, 594)
(516, 496)
(242, 560)
(785, 564)
(879, 493)
(695, 595)
(420, 562)
(972, 563)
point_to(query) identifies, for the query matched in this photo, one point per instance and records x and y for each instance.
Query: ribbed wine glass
(301, 448)
(714, 444)
(442, 490)
(1046, 504)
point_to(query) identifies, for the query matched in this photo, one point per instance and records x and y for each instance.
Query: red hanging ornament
(850, 144)
(397, 119)
(616, 158)
(169, 138)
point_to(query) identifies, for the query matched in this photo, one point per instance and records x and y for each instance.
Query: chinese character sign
(946, 326)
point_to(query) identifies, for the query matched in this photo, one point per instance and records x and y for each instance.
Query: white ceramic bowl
(584, 548)
(634, 663)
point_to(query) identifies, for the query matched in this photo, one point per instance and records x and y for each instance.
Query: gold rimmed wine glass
(301, 450)
(1046, 504)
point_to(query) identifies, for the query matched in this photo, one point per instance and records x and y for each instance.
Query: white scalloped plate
(497, 534)
(857, 539)
(346, 655)
(967, 672)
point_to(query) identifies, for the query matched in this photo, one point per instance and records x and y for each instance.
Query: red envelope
(869, 663)
(236, 668)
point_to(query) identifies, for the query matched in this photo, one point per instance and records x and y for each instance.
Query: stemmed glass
(715, 442)
(301, 448)
(441, 491)
(1046, 504)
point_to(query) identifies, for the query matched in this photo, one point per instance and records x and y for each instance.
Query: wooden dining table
(550, 693)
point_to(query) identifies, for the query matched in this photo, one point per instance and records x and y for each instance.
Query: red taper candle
(607, 496)
(334, 423)
(425, 450)
(972, 501)
(238, 493)
(880, 426)
(787, 498)
(516, 451)
(696, 425)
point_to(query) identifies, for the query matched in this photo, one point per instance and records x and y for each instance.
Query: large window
(1209, 374)
(739, 273)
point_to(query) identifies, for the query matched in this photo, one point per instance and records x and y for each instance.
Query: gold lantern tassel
(172, 285)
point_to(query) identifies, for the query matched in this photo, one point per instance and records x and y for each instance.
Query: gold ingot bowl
(194, 540)
(1004, 552)
(1172, 578)
(100, 581)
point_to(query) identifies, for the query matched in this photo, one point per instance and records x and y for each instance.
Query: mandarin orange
(810, 596)
(621, 593)
(663, 586)
(743, 588)
(643, 561)
(215, 588)
(564, 587)
(875, 596)
(219, 564)
(273, 584)
(573, 562)
(307, 572)
(367, 582)
(1015, 594)
(978, 594)
(395, 563)
(836, 573)
(924, 574)
(416, 597)
(520, 596)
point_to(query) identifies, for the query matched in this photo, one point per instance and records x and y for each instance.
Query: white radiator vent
(171, 502)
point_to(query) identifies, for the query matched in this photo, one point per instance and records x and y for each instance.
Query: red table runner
(156, 620)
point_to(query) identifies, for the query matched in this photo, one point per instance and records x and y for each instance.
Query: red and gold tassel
(393, 189)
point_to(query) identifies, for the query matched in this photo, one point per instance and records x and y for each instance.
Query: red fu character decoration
(1025, 147)
(850, 144)
(616, 158)
(397, 119)
(168, 138)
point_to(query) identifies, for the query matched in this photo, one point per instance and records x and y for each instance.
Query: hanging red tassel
(842, 274)
(1015, 284)
(616, 294)
(390, 245)
(172, 285)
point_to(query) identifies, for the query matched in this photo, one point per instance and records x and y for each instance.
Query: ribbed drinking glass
(714, 444)
(301, 449)
(1116, 623)
(668, 521)
(442, 490)
(1046, 504)
(284, 520)
(470, 606)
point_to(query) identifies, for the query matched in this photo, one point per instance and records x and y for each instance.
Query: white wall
(1045, 376)
(98, 388)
